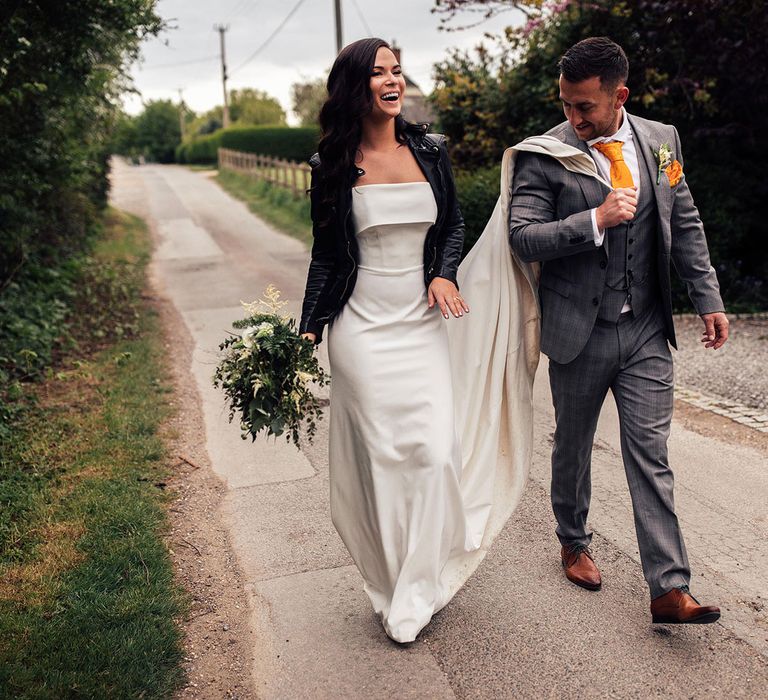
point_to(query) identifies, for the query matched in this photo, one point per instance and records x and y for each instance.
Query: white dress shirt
(629, 152)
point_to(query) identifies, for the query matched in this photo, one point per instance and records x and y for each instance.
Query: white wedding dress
(395, 462)
(431, 428)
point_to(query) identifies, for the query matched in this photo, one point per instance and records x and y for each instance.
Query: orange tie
(620, 175)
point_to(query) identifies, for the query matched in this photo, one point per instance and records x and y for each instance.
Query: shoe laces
(574, 550)
(687, 591)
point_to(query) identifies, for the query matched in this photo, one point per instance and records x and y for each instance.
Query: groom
(607, 311)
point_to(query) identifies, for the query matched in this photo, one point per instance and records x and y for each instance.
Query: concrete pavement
(518, 629)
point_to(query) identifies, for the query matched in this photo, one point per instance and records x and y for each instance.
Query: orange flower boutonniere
(674, 172)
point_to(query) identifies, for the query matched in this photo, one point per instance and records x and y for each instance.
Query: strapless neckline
(389, 184)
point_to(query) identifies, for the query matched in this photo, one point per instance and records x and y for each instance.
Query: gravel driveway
(737, 371)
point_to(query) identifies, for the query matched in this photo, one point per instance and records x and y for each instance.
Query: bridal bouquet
(266, 372)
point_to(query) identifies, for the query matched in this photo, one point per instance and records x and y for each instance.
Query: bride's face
(387, 85)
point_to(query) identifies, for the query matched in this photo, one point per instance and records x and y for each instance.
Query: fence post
(294, 179)
(281, 172)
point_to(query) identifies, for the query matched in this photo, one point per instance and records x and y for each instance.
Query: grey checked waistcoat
(632, 258)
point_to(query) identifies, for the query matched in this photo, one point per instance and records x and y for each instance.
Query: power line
(242, 7)
(362, 17)
(270, 37)
(251, 8)
(180, 63)
(239, 6)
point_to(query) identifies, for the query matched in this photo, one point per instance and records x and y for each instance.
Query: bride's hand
(309, 336)
(444, 293)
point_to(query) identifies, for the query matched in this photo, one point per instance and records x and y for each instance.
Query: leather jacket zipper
(349, 276)
(441, 190)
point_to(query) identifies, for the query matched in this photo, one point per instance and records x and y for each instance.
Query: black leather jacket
(333, 267)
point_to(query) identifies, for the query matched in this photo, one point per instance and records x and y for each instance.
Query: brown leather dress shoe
(678, 606)
(580, 567)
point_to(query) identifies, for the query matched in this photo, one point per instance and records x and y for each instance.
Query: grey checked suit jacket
(550, 222)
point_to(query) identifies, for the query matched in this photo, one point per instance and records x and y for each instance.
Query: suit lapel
(646, 143)
(593, 190)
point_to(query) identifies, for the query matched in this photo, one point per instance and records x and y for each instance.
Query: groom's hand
(444, 293)
(715, 330)
(620, 205)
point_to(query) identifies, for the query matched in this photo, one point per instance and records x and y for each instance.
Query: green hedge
(203, 150)
(478, 191)
(61, 70)
(291, 143)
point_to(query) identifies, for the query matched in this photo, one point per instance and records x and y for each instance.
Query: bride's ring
(457, 298)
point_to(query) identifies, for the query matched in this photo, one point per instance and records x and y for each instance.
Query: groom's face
(592, 110)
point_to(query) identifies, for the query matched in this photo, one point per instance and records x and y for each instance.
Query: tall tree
(475, 12)
(158, 131)
(247, 107)
(250, 107)
(306, 100)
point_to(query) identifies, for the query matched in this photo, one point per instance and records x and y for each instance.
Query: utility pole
(339, 40)
(220, 28)
(181, 112)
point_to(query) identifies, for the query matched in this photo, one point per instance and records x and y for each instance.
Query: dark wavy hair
(349, 100)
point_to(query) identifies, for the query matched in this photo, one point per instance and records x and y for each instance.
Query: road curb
(755, 418)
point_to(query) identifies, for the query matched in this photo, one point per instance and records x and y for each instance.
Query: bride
(425, 465)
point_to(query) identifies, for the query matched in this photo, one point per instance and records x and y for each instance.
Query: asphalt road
(518, 628)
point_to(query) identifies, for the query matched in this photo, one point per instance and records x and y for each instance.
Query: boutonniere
(674, 172)
(663, 159)
(667, 164)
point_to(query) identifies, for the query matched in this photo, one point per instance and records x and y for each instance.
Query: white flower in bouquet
(264, 329)
(248, 336)
(251, 334)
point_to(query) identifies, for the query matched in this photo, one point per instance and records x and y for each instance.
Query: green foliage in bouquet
(267, 371)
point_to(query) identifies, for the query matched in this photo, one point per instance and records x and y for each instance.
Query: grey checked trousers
(633, 360)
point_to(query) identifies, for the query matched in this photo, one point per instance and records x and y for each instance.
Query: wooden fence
(283, 173)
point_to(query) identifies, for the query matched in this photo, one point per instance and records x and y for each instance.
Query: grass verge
(88, 603)
(275, 205)
(201, 167)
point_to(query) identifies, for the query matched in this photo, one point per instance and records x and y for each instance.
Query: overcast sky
(304, 48)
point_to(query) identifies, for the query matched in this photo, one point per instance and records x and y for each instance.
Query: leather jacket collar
(422, 148)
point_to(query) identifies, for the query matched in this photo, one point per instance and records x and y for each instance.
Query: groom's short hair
(598, 57)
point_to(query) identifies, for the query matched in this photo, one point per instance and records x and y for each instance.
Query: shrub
(77, 305)
(507, 90)
(297, 143)
(478, 191)
(62, 68)
(202, 150)
(157, 131)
